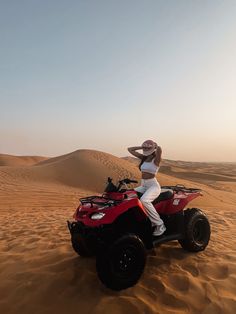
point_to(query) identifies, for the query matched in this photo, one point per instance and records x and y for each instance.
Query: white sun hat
(149, 147)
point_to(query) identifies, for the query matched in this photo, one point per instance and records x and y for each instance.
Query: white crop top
(150, 167)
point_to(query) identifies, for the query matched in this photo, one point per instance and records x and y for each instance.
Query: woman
(149, 165)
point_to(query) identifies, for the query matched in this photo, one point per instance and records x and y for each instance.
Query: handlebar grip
(127, 181)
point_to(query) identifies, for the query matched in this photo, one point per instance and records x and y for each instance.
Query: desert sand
(9, 160)
(40, 273)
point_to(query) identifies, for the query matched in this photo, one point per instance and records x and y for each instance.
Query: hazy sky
(109, 74)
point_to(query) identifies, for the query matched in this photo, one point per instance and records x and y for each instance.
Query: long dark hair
(144, 158)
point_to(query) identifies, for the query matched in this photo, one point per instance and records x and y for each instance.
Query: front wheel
(197, 230)
(121, 264)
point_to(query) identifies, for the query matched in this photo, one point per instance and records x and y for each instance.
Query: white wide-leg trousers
(151, 189)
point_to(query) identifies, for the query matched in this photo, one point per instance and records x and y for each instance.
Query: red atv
(115, 227)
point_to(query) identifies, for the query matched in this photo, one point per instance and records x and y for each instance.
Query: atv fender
(132, 221)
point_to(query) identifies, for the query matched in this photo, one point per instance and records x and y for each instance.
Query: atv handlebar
(113, 188)
(127, 181)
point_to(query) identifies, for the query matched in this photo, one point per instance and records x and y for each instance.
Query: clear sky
(109, 74)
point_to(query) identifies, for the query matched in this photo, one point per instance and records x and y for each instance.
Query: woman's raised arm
(132, 151)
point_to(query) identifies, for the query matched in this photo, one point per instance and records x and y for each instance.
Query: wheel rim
(124, 261)
(200, 231)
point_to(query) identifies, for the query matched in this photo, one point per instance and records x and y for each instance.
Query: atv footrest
(167, 237)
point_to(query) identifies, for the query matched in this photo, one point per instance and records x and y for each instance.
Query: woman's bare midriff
(147, 175)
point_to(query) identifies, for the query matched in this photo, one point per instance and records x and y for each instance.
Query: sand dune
(216, 175)
(87, 169)
(40, 273)
(13, 161)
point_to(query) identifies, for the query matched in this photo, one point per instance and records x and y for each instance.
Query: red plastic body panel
(176, 203)
(111, 213)
(129, 200)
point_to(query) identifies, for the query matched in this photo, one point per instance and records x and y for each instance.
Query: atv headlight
(97, 216)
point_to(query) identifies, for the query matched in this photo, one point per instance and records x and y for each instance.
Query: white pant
(151, 189)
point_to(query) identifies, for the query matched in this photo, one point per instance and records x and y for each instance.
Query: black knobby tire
(120, 265)
(79, 245)
(197, 230)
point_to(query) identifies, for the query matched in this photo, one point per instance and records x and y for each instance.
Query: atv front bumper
(79, 227)
(94, 238)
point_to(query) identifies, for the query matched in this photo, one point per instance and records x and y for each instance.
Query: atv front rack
(94, 200)
(182, 188)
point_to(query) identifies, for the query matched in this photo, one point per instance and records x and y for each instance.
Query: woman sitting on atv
(149, 166)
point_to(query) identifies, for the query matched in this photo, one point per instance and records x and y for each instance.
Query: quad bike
(116, 229)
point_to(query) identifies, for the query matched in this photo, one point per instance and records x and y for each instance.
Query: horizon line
(166, 159)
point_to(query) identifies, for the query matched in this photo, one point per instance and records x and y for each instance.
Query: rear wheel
(197, 230)
(121, 264)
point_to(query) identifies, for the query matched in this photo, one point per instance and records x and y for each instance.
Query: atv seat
(165, 195)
